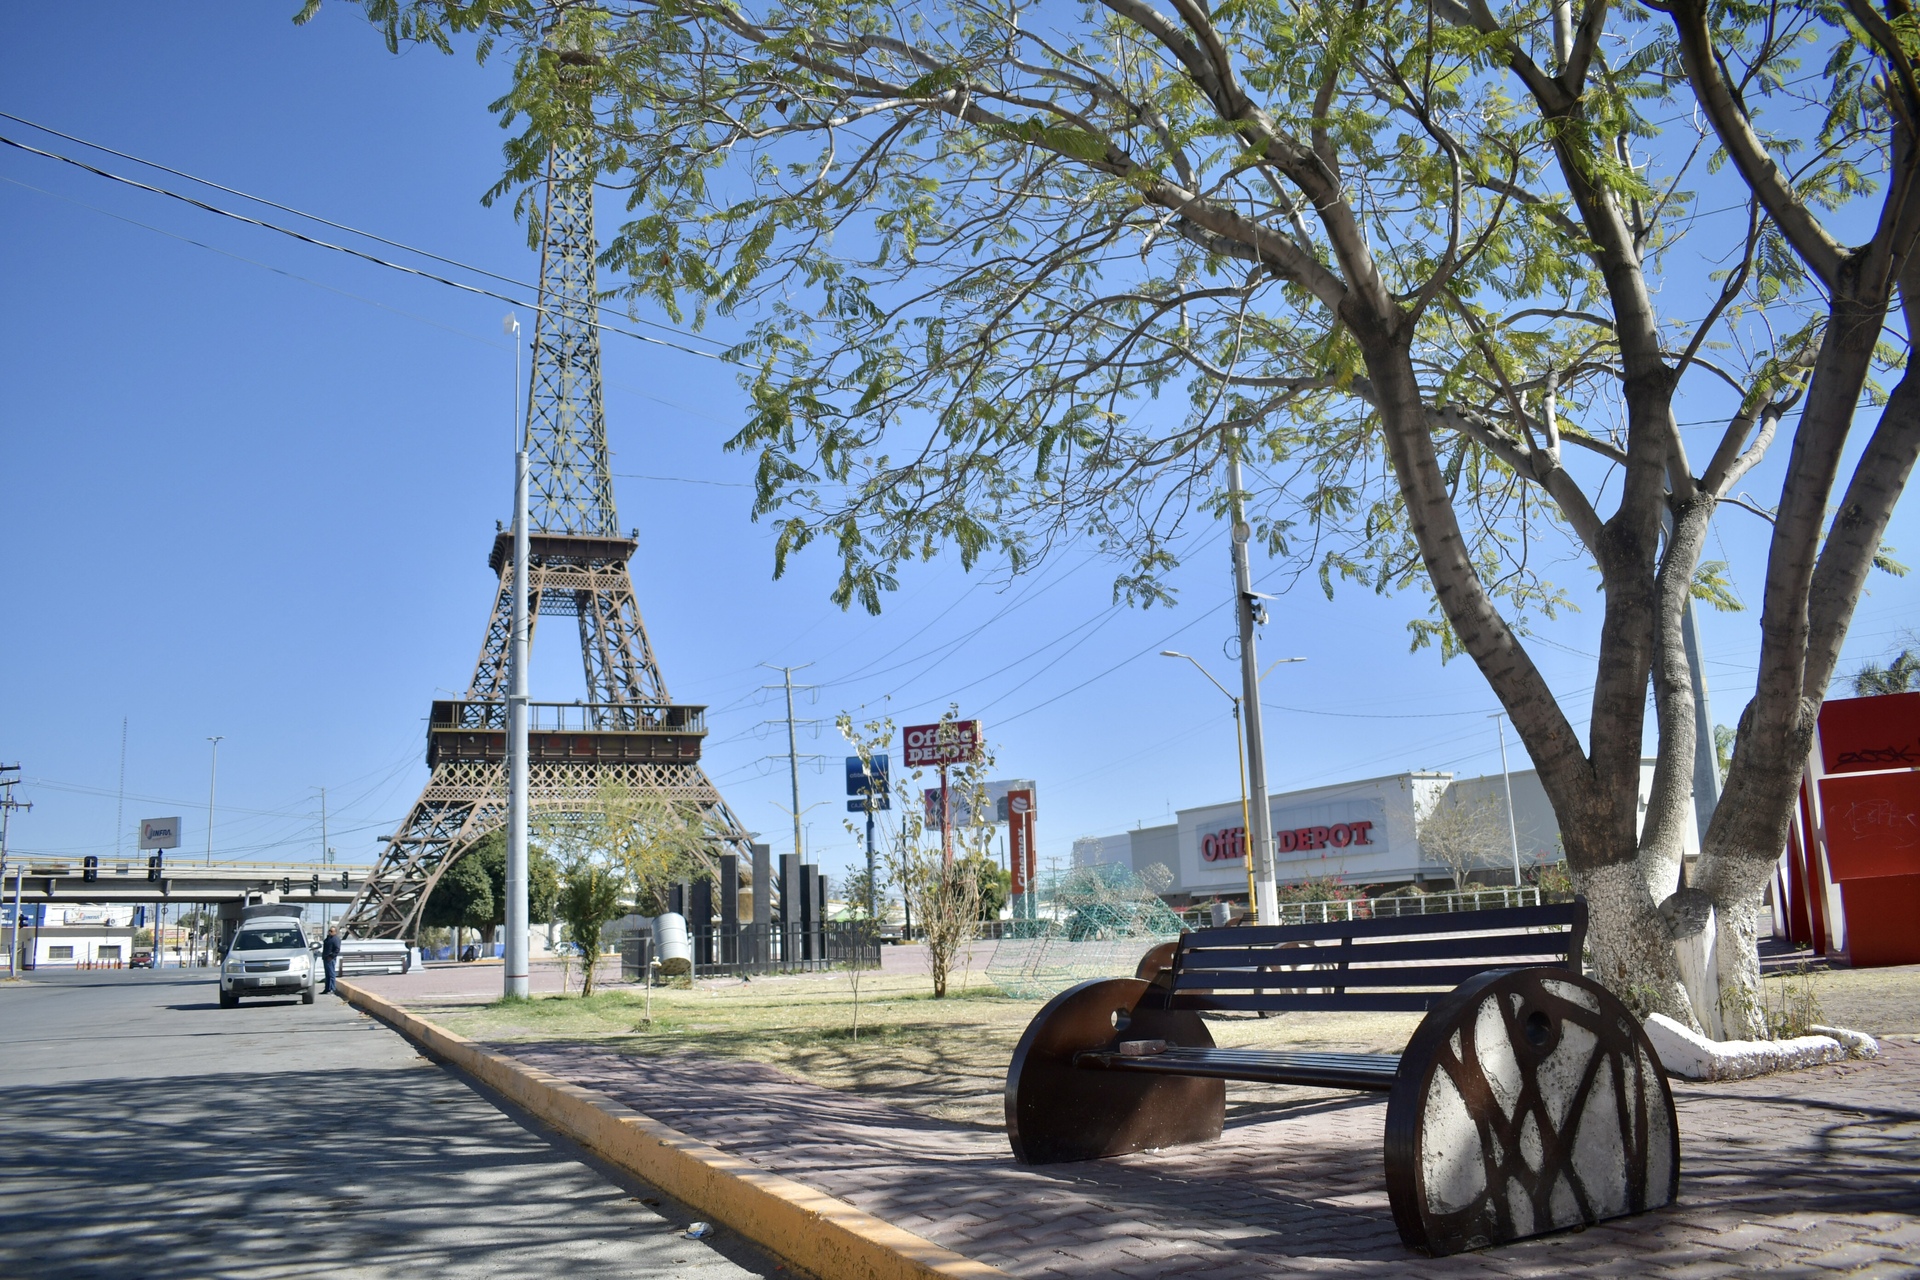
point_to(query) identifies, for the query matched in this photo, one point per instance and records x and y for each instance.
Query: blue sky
(247, 488)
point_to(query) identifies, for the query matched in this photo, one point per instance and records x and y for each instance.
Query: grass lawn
(948, 1058)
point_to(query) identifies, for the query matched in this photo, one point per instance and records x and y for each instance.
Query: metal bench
(1528, 1099)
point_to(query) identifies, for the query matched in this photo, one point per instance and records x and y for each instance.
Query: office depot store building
(1352, 832)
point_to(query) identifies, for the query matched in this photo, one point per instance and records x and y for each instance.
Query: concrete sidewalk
(1811, 1174)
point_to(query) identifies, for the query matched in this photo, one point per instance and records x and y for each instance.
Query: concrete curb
(809, 1229)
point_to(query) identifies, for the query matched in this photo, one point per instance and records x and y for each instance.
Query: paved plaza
(1811, 1174)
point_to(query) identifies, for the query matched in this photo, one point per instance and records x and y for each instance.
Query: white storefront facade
(1352, 833)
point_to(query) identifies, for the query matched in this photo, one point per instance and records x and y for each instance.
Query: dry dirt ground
(948, 1058)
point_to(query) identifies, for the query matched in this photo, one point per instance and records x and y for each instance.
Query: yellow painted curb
(808, 1228)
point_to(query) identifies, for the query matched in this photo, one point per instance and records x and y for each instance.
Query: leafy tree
(592, 893)
(543, 877)
(1012, 274)
(995, 884)
(1901, 675)
(942, 896)
(659, 842)
(461, 896)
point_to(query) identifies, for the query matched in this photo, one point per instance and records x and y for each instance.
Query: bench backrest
(1400, 964)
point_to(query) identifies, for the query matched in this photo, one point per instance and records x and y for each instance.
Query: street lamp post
(516, 982)
(1513, 827)
(213, 777)
(1240, 755)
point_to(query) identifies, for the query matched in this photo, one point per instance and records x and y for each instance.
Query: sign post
(939, 745)
(868, 780)
(157, 834)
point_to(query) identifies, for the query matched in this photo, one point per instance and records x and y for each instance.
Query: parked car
(269, 957)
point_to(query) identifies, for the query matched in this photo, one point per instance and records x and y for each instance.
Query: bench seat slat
(1554, 914)
(1310, 1002)
(1438, 975)
(1373, 1072)
(1229, 954)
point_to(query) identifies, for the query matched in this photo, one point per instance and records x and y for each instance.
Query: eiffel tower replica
(628, 730)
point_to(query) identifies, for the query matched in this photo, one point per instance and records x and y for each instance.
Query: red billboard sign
(933, 745)
(1020, 851)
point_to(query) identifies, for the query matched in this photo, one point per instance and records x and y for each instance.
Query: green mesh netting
(1100, 921)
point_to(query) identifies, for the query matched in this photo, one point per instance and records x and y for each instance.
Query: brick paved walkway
(1811, 1174)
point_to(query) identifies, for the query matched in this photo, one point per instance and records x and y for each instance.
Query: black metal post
(762, 947)
(809, 908)
(789, 910)
(730, 908)
(700, 920)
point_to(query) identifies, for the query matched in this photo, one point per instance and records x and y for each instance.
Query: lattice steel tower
(629, 729)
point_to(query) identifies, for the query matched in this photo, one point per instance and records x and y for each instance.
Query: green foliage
(543, 877)
(1900, 675)
(462, 897)
(592, 894)
(993, 884)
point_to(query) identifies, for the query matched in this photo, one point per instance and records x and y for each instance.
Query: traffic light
(315, 886)
(89, 868)
(286, 885)
(154, 865)
(346, 880)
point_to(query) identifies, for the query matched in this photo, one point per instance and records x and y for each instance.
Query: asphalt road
(150, 1133)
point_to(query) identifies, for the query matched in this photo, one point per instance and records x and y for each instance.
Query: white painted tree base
(1686, 1053)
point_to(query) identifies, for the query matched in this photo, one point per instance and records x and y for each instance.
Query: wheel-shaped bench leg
(1529, 1100)
(1057, 1111)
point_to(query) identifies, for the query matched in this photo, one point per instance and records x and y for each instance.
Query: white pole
(516, 913)
(1261, 834)
(1513, 828)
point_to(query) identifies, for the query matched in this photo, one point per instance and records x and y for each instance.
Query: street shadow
(385, 1172)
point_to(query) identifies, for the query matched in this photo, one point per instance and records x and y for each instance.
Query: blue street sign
(868, 775)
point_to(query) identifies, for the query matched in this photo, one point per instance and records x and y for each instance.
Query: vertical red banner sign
(1020, 853)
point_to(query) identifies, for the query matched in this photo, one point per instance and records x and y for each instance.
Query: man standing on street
(330, 956)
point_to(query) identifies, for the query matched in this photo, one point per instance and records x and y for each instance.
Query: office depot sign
(1337, 836)
(1229, 844)
(933, 745)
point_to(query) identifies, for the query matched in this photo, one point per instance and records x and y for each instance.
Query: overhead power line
(314, 217)
(347, 249)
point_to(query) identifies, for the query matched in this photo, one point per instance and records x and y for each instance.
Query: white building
(1352, 832)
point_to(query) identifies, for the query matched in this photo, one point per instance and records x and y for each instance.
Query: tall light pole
(1240, 755)
(516, 984)
(213, 777)
(1499, 719)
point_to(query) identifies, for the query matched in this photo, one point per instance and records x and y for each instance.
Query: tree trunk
(1595, 799)
(1811, 593)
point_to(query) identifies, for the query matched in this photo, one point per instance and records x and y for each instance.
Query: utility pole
(1250, 611)
(793, 744)
(7, 805)
(516, 981)
(1706, 758)
(213, 776)
(1499, 719)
